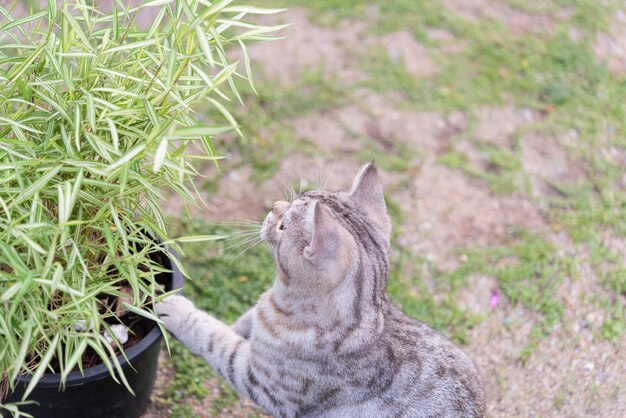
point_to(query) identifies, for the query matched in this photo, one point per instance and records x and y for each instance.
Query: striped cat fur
(326, 340)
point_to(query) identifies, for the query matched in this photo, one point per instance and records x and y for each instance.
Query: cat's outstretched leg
(226, 351)
(243, 325)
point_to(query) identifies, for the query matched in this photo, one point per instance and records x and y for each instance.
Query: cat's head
(321, 236)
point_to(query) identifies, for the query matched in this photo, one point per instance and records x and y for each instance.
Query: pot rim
(99, 371)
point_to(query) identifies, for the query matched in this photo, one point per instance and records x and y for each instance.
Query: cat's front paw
(173, 311)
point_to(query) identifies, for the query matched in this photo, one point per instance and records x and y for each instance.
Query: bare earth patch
(446, 211)
(611, 46)
(515, 20)
(325, 130)
(547, 163)
(571, 373)
(496, 125)
(374, 117)
(334, 51)
(424, 132)
(310, 48)
(403, 48)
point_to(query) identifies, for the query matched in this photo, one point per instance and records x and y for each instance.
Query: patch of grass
(533, 6)
(561, 398)
(454, 160)
(591, 15)
(591, 207)
(535, 70)
(614, 325)
(503, 171)
(386, 75)
(418, 16)
(611, 269)
(223, 402)
(191, 373)
(610, 264)
(529, 273)
(400, 158)
(570, 71)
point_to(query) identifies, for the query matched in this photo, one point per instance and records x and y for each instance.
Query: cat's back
(409, 370)
(433, 376)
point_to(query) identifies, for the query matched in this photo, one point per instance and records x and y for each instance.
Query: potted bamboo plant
(97, 110)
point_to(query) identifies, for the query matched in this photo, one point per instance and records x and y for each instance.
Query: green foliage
(95, 118)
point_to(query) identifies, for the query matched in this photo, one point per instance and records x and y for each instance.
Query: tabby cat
(326, 340)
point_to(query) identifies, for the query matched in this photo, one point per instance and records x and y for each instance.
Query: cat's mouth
(270, 229)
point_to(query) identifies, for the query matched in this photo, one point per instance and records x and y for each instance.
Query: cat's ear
(324, 234)
(367, 191)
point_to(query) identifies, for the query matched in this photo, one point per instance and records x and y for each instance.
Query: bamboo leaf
(36, 186)
(130, 46)
(21, 356)
(159, 156)
(199, 238)
(77, 353)
(135, 151)
(204, 44)
(41, 367)
(141, 312)
(22, 21)
(220, 107)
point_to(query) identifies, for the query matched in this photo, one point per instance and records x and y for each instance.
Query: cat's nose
(280, 207)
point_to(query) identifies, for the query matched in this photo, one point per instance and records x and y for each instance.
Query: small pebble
(80, 325)
(527, 114)
(120, 331)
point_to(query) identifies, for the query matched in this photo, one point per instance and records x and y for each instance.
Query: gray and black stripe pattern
(325, 340)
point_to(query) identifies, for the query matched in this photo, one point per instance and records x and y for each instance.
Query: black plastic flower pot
(96, 394)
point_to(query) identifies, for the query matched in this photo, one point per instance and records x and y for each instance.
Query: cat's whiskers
(318, 177)
(252, 245)
(243, 222)
(301, 186)
(243, 241)
(332, 170)
(241, 236)
(289, 193)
